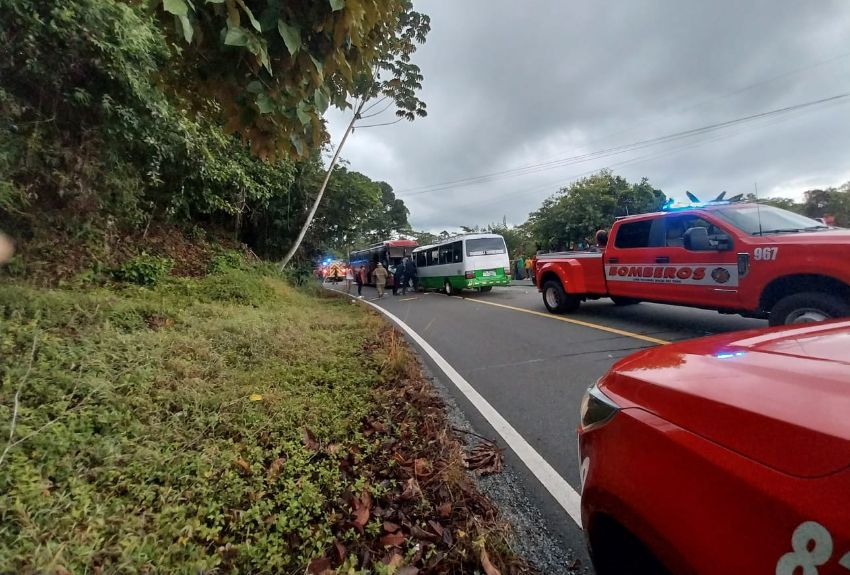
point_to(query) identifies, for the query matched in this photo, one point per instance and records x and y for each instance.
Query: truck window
(633, 234)
(676, 226)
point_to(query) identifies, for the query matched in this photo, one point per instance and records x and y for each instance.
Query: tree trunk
(318, 199)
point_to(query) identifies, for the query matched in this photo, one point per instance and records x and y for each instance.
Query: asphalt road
(533, 367)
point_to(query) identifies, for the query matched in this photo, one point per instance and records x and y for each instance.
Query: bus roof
(456, 237)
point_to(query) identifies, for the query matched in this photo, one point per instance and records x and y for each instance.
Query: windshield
(759, 220)
(485, 246)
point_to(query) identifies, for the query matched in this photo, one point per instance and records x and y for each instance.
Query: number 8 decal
(812, 547)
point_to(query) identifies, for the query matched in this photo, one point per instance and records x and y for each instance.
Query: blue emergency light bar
(671, 205)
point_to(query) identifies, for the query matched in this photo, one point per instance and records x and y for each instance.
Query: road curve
(532, 367)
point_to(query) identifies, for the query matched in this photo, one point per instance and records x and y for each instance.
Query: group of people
(523, 267)
(405, 275)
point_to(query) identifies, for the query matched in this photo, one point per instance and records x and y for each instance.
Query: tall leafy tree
(275, 66)
(576, 212)
(833, 202)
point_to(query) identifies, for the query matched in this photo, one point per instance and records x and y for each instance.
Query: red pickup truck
(745, 258)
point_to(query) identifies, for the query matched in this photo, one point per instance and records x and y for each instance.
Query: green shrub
(176, 446)
(226, 260)
(235, 286)
(144, 270)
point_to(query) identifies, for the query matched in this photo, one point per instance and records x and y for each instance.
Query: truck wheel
(447, 288)
(621, 301)
(557, 300)
(807, 307)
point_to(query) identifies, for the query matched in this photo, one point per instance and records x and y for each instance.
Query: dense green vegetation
(229, 423)
(107, 132)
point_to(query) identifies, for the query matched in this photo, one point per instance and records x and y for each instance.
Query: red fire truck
(734, 257)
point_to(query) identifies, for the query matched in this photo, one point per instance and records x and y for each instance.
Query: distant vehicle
(390, 253)
(467, 261)
(723, 455)
(744, 258)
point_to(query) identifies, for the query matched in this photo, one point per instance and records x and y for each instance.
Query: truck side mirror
(696, 239)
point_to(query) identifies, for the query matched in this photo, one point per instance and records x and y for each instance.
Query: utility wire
(616, 150)
(697, 105)
(561, 182)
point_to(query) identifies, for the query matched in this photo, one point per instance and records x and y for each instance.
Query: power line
(561, 181)
(616, 150)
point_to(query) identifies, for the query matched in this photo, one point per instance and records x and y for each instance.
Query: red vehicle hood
(778, 396)
(826, 237)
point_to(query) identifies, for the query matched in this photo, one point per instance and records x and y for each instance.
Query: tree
(576, 212)
(276, 65)
(398, 89)
(391, 219)
(833, 202)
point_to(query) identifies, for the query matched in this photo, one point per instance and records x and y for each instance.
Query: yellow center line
(614, 330)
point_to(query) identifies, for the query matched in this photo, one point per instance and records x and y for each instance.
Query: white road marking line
(564, 494)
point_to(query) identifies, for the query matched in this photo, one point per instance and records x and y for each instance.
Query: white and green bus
(467, 261)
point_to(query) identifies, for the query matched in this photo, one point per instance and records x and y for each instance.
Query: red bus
(390, 253)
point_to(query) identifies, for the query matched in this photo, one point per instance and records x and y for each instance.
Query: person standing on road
(529, 268)
(403, 275)
(520, 266)
(411, 273)
(380, 275)
(360, 278)
(349, 277)
(398, 278)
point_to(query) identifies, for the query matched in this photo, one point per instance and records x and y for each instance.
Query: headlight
(596, 408)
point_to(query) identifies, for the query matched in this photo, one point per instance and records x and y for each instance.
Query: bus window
(457, 252)
(434, 259)
(485, 246)
(420, 259)
(446, 254)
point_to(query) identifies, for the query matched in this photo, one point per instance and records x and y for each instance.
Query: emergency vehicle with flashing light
(734, 257)
(726, 455)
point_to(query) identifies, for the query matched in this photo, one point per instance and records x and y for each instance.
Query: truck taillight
(469, 275)
(507, 271)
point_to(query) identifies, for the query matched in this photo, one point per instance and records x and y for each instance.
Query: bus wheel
(557, 300)
(485, 289)
(447, 288)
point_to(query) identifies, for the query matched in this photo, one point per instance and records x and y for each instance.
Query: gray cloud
(511, 84)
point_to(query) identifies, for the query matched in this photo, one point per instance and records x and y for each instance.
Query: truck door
(630, 255)
(696, 272)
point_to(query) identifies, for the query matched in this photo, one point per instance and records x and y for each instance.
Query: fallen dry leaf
(391, 527)
(310, 440)
(485, 458)
(422, 467)
(275, 468)
(445, 509)
(411, 489)
(255, 397)
(393, 540)
(395, 560)
(319, 565)
(243, 465)
(489, 568)
(362, 507)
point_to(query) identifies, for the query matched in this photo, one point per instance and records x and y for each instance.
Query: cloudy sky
(524, 88)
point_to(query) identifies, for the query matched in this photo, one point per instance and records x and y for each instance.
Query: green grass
(138, 445)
